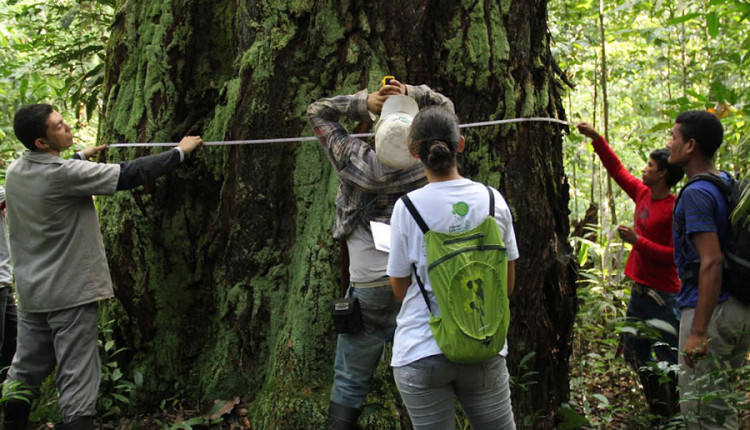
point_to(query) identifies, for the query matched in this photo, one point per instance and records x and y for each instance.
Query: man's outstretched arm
(146, 169)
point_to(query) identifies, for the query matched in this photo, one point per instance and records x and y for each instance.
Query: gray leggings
(429, 388)
(67, 338)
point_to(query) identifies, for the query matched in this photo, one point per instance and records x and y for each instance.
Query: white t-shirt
(449, 206)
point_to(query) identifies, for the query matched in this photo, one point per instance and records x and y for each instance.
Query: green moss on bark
(225, 268)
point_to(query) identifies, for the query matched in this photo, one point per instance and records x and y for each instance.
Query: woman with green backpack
(452, 263)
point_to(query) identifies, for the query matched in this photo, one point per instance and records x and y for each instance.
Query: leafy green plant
(570, 419)
(44, 407)
(52, 52)
(598, 372)
(528, 377)
(724, 383)
(15, 390)
(115, 392)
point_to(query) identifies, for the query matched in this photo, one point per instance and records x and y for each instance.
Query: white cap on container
(392, 132)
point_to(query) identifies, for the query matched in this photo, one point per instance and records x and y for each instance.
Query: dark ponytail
(434, 137)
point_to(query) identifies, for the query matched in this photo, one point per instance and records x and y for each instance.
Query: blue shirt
(701, 208)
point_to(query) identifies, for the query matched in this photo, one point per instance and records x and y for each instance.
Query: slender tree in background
(658, 64)
(224, 271)
(605, 107)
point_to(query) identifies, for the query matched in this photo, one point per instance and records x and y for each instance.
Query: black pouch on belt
(347, 316)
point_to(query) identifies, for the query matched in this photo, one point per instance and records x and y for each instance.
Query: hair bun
(440, 152)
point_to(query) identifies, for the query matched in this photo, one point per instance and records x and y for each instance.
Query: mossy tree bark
(225, 268)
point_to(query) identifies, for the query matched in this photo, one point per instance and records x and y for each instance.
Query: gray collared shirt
(55, 239)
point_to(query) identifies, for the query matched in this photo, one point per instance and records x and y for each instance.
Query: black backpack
(736, 273)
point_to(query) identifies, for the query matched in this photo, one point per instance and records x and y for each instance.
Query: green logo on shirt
(460, 209)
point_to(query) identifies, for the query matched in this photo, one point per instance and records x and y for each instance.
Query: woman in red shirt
(650, 266)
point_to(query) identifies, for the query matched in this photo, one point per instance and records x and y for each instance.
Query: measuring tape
(359, 135)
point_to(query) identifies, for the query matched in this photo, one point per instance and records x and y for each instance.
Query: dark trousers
(643, 351)
(8, 328)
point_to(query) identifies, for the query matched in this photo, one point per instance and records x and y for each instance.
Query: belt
(372, 284)
(644, 290)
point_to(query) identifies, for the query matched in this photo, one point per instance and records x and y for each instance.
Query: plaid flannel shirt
(367, 190)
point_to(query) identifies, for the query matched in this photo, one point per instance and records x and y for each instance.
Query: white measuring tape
(312, 138)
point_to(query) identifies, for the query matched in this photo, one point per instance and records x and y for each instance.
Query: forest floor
(178, 417)
(604, 391)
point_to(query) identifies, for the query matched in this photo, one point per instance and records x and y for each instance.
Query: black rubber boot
(341, 417)
(664, 400)
(16, 414)
(79, 423)
(662, 396)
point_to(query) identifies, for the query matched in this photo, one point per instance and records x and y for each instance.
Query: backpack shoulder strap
(725, 190)
(716, 180)
(423, 226)
(492, 201)
(421, 288)
(414, 213)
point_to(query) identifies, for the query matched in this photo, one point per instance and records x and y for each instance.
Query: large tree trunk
(224, 269)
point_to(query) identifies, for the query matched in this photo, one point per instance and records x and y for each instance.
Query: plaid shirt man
(368, 190)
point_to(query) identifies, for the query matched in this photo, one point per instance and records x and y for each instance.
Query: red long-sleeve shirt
(651, 261)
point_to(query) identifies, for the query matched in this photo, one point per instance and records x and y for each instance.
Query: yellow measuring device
(387, 79)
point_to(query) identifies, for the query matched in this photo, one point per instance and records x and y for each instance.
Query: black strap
(415, 214)
(717, 180)
(692, 269)
(690, 272)
(492, 202)
(421, 288)
(423, 226)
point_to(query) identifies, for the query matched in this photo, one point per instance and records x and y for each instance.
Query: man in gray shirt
(59, 261)
(368, 189)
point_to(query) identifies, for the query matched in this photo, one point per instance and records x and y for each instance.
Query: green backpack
(469, 276)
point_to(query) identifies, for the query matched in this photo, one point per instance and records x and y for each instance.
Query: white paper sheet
(381, 235)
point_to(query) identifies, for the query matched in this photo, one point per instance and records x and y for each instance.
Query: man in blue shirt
(714, 326)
